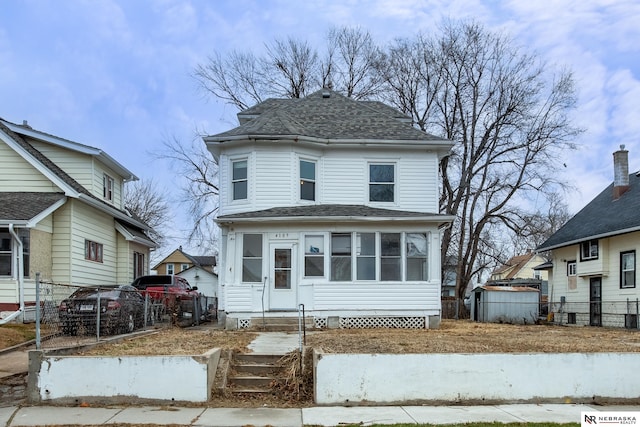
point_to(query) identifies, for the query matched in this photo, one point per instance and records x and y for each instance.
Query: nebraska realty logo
(593, 419)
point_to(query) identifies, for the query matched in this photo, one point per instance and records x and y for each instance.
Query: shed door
(282, 286)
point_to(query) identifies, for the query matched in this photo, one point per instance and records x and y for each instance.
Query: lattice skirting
(361, 322)
(382, 322)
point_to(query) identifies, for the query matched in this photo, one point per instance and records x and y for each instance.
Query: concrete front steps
(280, 324)
(253, 373)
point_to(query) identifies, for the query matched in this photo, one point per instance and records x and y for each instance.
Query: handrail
(302, 327)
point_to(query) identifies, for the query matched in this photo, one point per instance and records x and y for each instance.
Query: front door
(282, 286)
(595, 301)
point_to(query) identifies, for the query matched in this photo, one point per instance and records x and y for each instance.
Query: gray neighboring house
(332, 204)
(593, 279)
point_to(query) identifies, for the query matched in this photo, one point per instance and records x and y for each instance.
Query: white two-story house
(331, 205)
(62, 215)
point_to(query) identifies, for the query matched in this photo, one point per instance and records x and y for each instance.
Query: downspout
(20, 278)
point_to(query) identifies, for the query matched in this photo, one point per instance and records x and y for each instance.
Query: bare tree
(147, 203)
(507, 113)
(351, 63)
(198, 173)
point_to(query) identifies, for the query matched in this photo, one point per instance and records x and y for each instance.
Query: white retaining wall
(392, 378)
(173, 378)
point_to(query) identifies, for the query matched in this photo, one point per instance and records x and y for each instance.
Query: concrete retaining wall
(391, 378)
(126, 378)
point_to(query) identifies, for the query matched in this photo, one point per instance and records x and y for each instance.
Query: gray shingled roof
(23, 206)
(334, 117)
(330, 211)
(601, 217)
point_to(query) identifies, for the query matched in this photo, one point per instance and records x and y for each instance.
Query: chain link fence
(79, 315)
(615, 314)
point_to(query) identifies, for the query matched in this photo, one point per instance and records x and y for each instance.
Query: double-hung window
(340, 256)
(572, 268)
(366, 256)
(138, 264)
(252, 258)
(171, 268)
(417, 266)
(239, 180)
(6, 258)
(107, 187)
(390, 256)
(628, 269)
(314, 256)
(589, 250)
(381, 182)
(307, 180)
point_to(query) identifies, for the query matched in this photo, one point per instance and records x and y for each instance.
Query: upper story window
(183, 267)
(93, 251)
(252, 258)
(571, 268)
(307, 180)
(239, 179)
(589, 250)
(107, 187)
(628, 269)
(170, 269)
(381, 182)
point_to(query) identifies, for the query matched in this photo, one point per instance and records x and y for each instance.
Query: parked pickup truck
(172, 295)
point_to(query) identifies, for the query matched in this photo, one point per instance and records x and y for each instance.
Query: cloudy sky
(117, 74)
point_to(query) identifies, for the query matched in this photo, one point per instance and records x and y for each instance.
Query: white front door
(282, 286)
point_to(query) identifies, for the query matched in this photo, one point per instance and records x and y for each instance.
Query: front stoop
(253, 373)
(280, 324)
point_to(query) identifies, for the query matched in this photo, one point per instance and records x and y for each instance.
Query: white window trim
(316, 180)
(395, 182)
(231, 161)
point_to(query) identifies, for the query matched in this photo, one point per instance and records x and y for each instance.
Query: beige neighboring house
(62, 215)
(199, 271)
(521, 267)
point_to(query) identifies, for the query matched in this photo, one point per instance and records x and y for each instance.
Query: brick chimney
(620, 172)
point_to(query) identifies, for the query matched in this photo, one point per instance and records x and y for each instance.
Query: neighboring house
(62, 215)
(331, 204)
(593, 279)
(523, 270)
(520, 267)
(200, 271)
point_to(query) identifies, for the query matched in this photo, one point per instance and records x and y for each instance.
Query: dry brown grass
(451, 337)
(16, 333)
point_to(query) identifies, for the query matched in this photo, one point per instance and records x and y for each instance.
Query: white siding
(61, 244)
(77, 165)
(273, 177)
(397, 296)
(341, 178)
(17, 173)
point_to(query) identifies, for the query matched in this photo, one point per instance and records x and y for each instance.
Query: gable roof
(326, 117)
(604, 216)
(513, 266)
(14, 137)
(196, 260)
(332, 212)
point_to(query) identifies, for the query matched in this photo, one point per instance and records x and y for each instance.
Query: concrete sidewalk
(322, 416)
